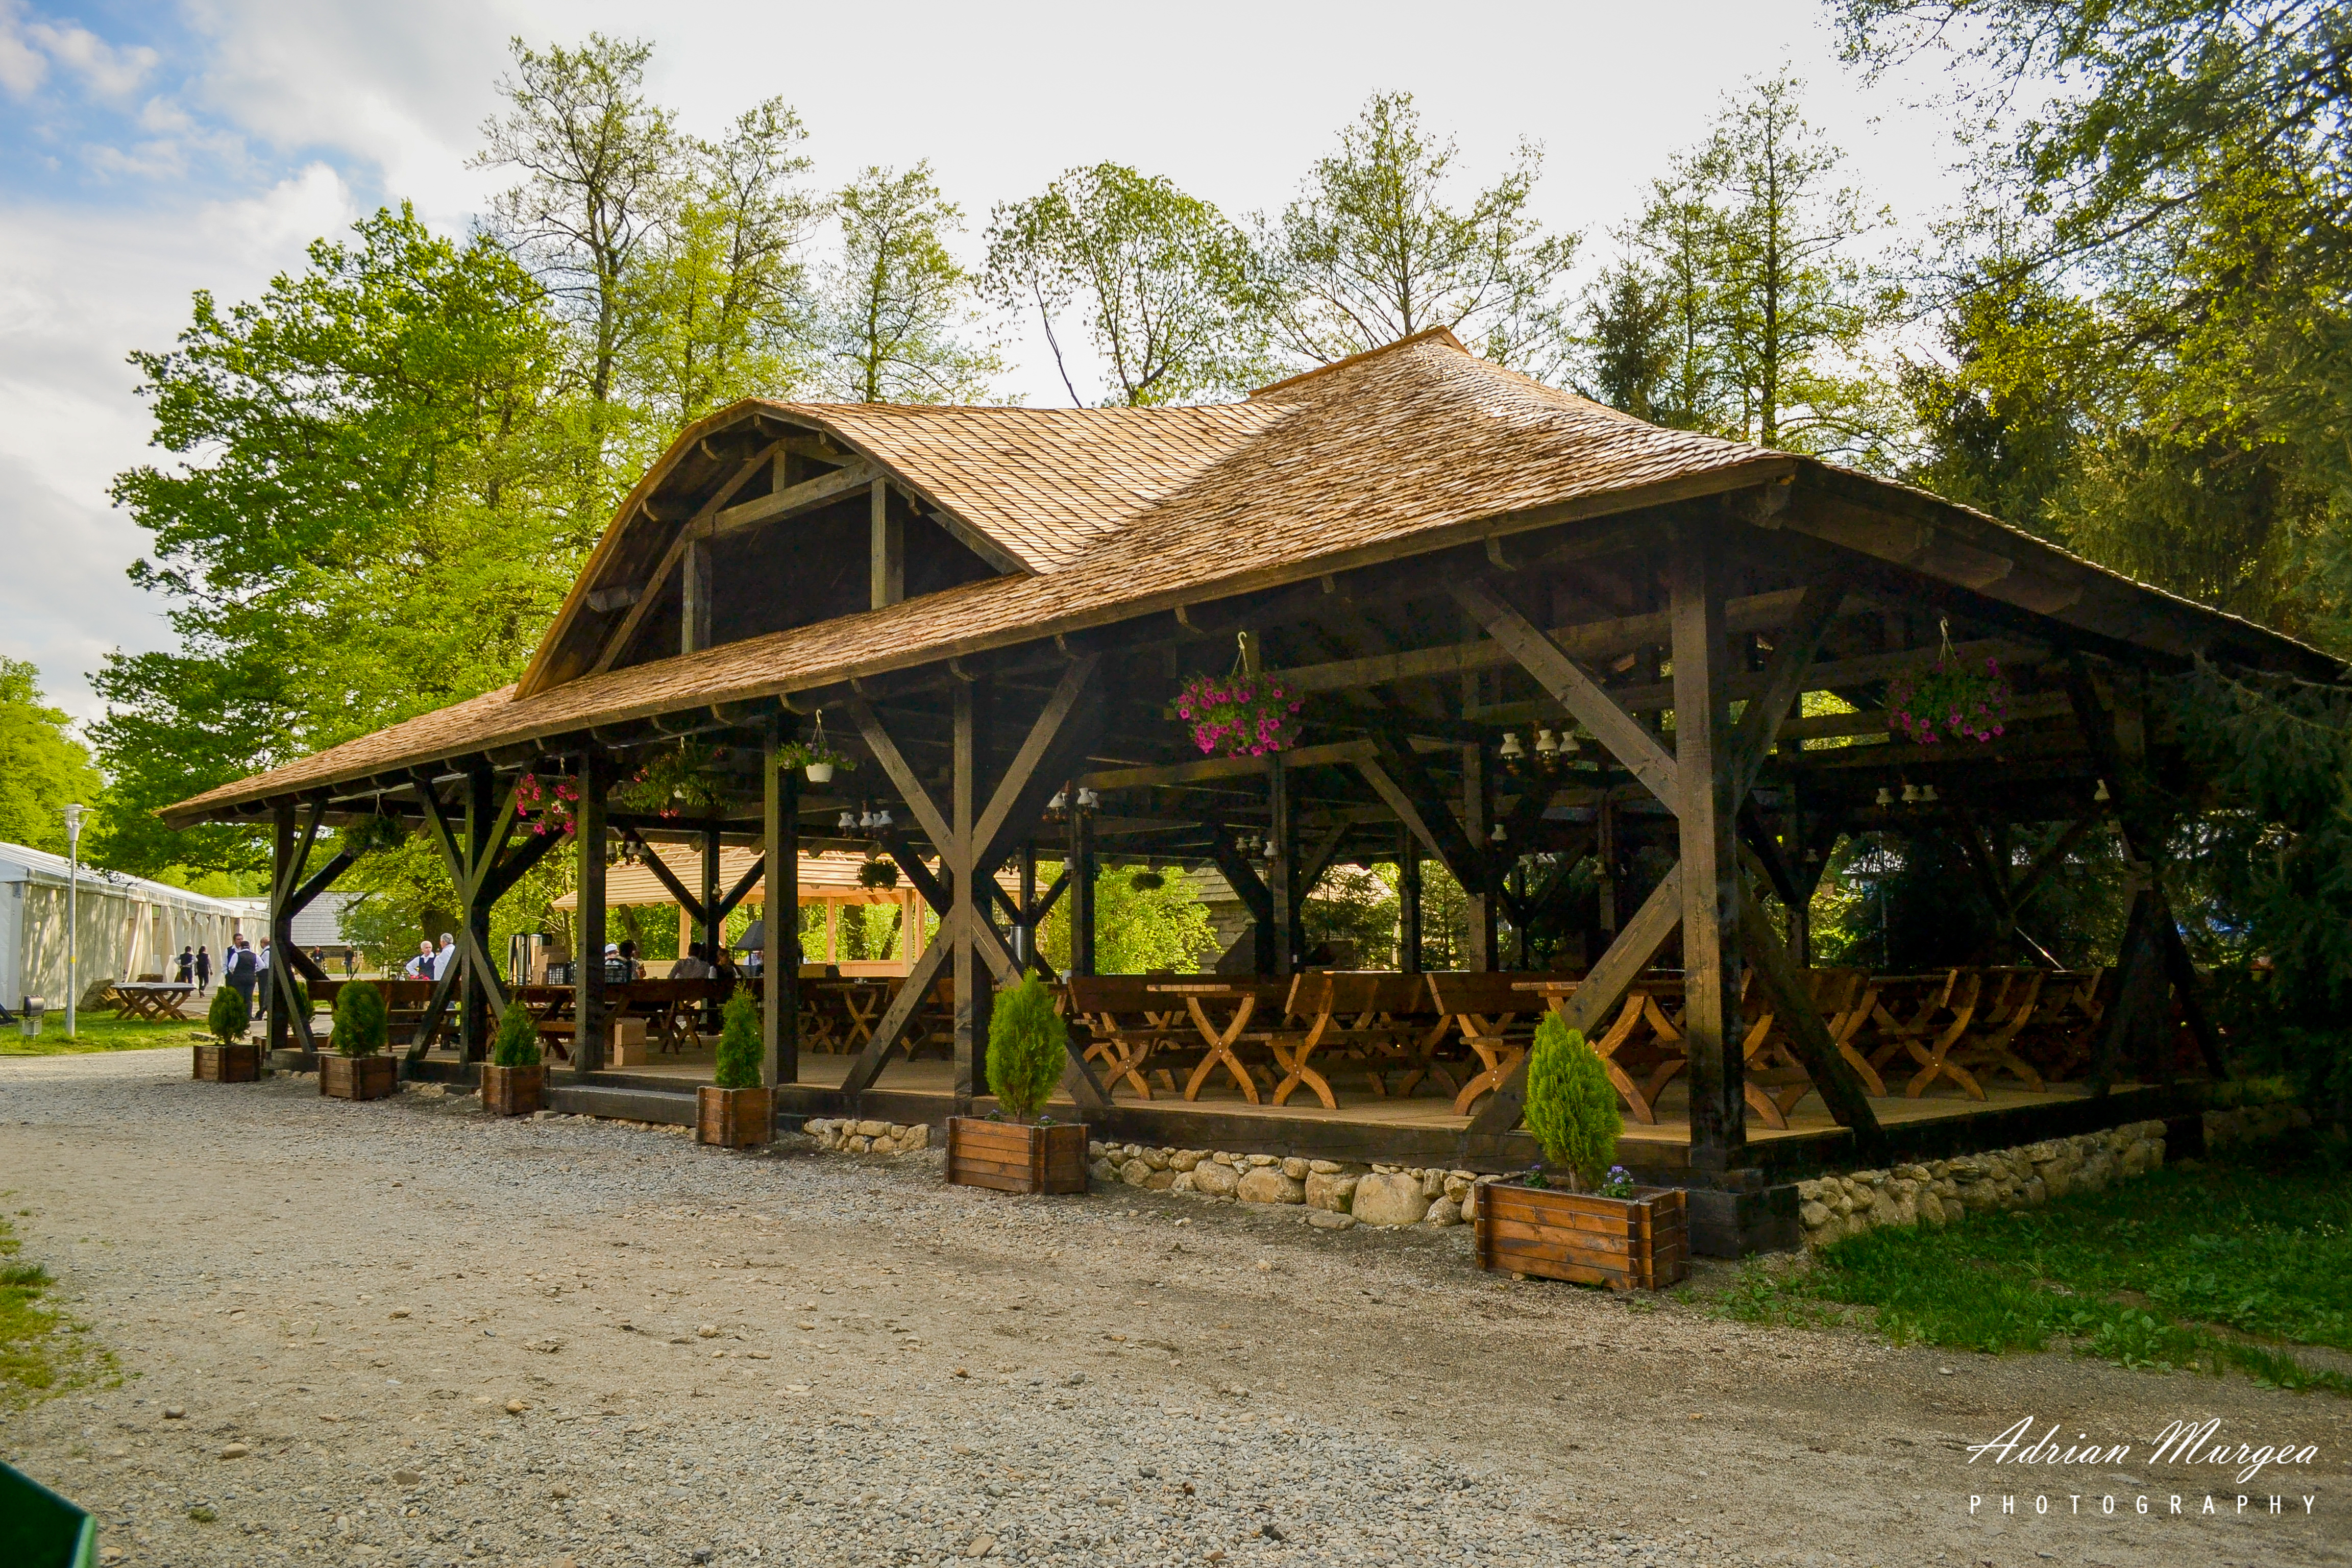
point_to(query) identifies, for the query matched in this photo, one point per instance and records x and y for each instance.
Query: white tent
(128, 926)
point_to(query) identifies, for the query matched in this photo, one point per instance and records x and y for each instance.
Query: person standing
(421, 966)
(204, 969)
(446, 957)
(260, 995)
(187, 967)
(238, 972)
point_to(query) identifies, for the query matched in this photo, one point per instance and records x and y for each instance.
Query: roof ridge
(1426, 334)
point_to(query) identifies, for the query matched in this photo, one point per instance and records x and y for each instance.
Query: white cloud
(23, 67)
(110, 73)
(79, 289)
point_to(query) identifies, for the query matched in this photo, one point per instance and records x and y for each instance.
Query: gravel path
(405, 1332)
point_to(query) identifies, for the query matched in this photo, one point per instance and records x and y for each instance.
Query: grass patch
(98, 1032)
(42, 1350)
(2211, 1265)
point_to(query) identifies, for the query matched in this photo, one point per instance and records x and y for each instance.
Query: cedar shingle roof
(1120, 512)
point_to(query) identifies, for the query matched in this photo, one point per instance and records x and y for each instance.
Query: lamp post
(73, 901)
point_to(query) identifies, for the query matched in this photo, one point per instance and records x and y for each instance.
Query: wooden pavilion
(990, 610)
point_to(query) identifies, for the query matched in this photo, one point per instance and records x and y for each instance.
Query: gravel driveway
(404, 1332)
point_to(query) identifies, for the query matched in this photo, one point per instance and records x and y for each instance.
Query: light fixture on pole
(1089, 800)
(1546, 744)
(73, 901)
(1511, 747)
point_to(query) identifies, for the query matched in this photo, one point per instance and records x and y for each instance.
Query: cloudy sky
(148, 150)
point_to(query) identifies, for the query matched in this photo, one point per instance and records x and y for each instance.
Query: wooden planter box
(513, 1092)
(1641, 1243)
(1016, 1156)
(359, 1078)
(228, 1064)
(734, 1117)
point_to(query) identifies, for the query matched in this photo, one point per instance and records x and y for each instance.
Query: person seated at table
(693, 966)
(723, 968)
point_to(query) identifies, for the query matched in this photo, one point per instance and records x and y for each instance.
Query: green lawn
(98, 1031)
(2214, 1264)
(41, 1349)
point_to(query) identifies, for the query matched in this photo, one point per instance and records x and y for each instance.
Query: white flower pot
(819, 773)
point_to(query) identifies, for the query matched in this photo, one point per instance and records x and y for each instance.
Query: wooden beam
(885, 550)
(588, 952)
(1406, 788)
(918, 799)
(1071, 717)
(620, 637)
(1559, 674)
(1590, 640)
(780, 970)
(1785, 678)
(1604, 987)
(1784, 989)
(1207, 768)
(695, 610)
(790, 501)
(1710, 865)
(900, 1015)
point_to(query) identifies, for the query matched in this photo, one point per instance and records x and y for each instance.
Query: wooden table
(1643, 1019)
(1243, 997)
(148, 1001)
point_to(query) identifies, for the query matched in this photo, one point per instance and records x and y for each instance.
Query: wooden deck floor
(1422, 1129)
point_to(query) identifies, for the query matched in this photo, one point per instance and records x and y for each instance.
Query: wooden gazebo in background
(826, 881)
(991, 610)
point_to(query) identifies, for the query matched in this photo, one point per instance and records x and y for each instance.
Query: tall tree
(1373, 250)
(715, 305)
(368, 516)
(43, 769)
(600, 166)
(2188, 168)
(1741, 296)
(1158, 280)
(898, 304)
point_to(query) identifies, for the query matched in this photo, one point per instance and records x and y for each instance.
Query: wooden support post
(1408, 900)
(283, 869)
(694, 610)
(1604, 853)
(289, 963)
(1081, 872)
(886, 549)
(1481, 896)
(1705, 764)
(484, 831)
(779, 970)
(588, 952)
(1024, 930)
(714, 923)
(1280, 868)
(971, 1022)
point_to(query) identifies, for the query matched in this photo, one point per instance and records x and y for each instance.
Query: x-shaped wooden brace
(1641, 754)
(482, 880)
(1062, 734)
(287, 900)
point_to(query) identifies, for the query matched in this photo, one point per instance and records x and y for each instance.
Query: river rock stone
(1267, 1185)
(1388, 1198)
(1217, 1180)
(1330, 1192)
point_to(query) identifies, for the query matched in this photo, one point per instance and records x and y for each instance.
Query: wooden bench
(1130, 1029)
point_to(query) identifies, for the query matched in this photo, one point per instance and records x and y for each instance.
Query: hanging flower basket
(547, 806)
(878, 874)
(814, 758)
(675, 782)
(1948, 695)
(1240, 715)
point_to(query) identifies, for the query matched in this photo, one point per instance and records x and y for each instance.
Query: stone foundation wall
(1336, 1194)
(848, 1136)
(1942, 1190)
(2252, 1125)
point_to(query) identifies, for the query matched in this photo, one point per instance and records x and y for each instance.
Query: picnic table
(1644, 1038)
(1238, 1001)
(148, 1001)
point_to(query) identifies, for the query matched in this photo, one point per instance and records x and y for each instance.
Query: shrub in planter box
(359, 1069)
(514, 1080)
(1578, 1217)
(1016, 1150)
(231, 1057)
(734, 1111)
